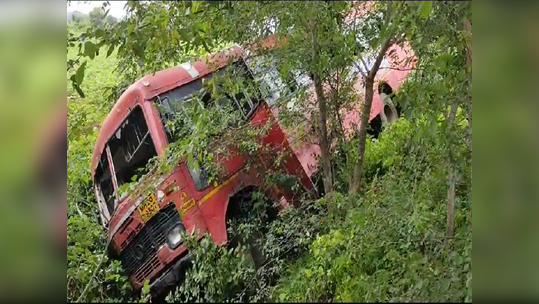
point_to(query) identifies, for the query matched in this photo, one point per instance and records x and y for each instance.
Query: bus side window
(103, 178)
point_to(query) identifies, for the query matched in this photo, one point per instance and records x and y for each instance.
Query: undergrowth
(386, 245)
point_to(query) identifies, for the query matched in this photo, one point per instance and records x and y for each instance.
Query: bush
(391, 246)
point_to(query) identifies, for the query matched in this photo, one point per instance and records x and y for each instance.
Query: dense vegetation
(395, 221)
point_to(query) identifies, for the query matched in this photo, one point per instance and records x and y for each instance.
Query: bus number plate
(149, 208)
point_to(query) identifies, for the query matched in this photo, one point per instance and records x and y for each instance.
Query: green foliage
(392, 245)
(216, 273)
(227, 273)
(87, 263)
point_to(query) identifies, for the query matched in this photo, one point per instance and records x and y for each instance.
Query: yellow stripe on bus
(209, 195)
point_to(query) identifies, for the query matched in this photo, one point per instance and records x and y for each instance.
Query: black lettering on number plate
(149, 208)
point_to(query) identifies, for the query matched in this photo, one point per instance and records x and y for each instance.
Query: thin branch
(69, 66)
(385, 46)
(364, 65)
(379, 58)
(91, 279)
(360, 69)
(451, 201)
(79, 211)
(388, 13)
(399, 69)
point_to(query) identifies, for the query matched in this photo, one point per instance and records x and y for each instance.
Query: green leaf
(138, 49)
(89, 49)
(99, 33)
(78, 89)
(359, 219)
(110, 50)
(373, 43)
(79, 75)
(388, 162)
(194, 6)
(146, 288)
(426, 7)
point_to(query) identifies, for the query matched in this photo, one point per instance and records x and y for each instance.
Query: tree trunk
(452, 175)
(451, 203)
(327, 176)
(324, 141)
(468, 32)
(366, 112)
(367, 105)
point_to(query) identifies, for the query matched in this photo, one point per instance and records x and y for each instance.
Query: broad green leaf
(79, 75)
(426, 7)
(110, 50)
(146, 287)
(99, 33)
(89, 49)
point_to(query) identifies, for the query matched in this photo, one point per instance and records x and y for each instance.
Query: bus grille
(143, 248)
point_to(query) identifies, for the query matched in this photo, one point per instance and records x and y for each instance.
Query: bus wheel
(240, 211)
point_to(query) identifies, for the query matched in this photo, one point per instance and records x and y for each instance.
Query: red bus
(395, 67)
(144, 232)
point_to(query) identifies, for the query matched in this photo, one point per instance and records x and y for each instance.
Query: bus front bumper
(173, 276)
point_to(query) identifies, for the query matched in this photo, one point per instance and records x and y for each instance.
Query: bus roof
(157, 83)
(150, 86)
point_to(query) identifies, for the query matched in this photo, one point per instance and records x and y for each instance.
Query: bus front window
(243, 100)
(131, 148)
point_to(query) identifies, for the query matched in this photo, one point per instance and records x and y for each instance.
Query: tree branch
(385, 45)
(360, 69)
(364, 64)
(379, 58)
(388, 12)
(399, 69)
(91, 279)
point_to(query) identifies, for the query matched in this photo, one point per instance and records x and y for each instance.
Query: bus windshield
(131, 147)
(245, 100)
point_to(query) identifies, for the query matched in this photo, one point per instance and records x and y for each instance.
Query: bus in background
(395, 67)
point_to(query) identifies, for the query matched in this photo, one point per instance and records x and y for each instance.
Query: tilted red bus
(144, 231)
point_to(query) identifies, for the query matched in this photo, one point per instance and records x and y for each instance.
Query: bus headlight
(174, 237)
(160, 195)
